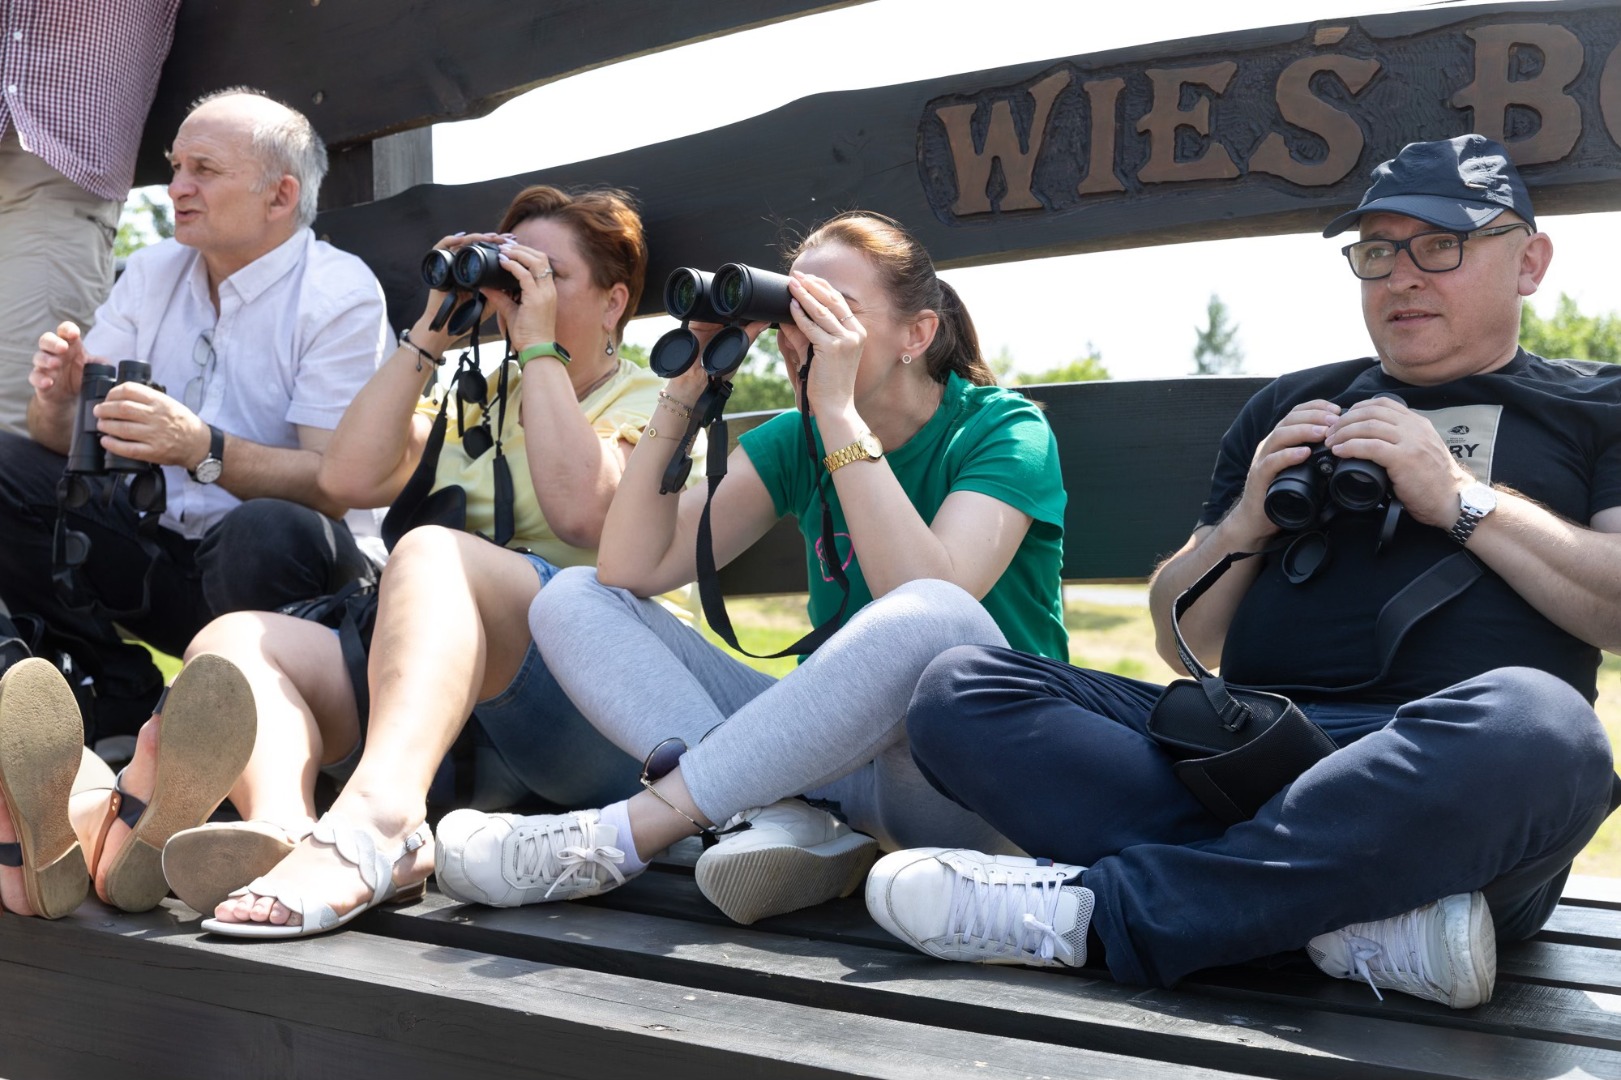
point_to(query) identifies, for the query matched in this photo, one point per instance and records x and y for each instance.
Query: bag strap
(1418, 598)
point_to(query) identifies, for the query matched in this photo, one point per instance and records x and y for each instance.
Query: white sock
(618, 815)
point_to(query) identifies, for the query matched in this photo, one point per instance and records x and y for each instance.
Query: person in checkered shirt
(76, 81)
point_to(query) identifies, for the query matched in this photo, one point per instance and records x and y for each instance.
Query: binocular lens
(436, 269)
(686, 295)
(1291, 503)
(746, 294)
(1356, 486)
(470, 267)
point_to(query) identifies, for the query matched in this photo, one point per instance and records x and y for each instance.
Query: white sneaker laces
(1001, 917)
(1402, 962)
(545, 854)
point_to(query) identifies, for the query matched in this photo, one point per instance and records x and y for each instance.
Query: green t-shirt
(982, 438)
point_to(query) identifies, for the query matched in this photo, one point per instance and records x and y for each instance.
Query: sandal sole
(206, 864)
(41, 743)
(207, 736)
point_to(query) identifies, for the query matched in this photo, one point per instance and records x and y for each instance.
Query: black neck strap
(714, 604)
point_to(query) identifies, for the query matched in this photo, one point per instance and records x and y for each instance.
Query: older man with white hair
(257, 336)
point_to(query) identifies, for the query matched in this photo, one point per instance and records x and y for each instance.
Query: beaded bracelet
(679, 406)
(436, 361)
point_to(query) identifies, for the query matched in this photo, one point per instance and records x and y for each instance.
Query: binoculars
(470, 268)
(736, 294)
(1303, 495)
(87, 458)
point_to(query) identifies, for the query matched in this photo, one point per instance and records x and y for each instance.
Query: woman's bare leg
(451, 630)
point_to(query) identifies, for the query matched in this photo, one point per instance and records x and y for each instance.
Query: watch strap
(1469, 516)
(545, 348)
(856, 451)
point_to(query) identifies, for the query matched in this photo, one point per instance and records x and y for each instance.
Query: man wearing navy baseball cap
(1439, 528)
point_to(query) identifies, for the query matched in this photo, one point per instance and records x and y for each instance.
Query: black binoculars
(736, 294)
(87, 458)
(469, 268)
(1303, 496)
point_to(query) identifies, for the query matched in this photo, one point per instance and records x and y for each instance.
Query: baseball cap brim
(1437, 210)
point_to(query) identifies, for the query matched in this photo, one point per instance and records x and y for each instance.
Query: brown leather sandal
(209, 726)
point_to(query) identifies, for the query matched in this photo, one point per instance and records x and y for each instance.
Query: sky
(1293, 297)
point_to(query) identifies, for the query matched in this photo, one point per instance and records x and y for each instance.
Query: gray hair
(287, 146)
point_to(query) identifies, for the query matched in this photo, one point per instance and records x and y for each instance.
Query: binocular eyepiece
(1302, 495)
(469, 268)
(736, 294)
(86, 457)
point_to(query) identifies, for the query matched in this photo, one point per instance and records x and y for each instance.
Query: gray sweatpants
(833, 729)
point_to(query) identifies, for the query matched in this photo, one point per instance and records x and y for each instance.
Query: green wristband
(545, 348)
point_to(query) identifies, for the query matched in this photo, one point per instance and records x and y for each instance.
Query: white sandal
(356, 847)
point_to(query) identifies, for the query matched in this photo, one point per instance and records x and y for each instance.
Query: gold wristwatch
(866, 448)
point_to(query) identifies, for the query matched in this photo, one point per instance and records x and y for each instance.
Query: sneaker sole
(756, 883)
(1482, 944)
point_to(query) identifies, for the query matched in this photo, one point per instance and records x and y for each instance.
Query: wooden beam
(360, 70)
(1241, 134)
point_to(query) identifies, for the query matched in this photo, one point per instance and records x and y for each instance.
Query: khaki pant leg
(56, 263)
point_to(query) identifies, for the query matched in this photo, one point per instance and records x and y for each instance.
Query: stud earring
(906, 358)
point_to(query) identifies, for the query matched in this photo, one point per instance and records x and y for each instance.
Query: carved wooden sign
(1266, 127)
(1242, 134)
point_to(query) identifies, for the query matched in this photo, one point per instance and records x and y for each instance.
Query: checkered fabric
(76, 81)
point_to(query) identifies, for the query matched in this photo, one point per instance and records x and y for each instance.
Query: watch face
(1479, 499)
(870, 443)
(209, 471)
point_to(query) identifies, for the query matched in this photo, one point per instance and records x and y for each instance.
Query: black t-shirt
(1549, 429)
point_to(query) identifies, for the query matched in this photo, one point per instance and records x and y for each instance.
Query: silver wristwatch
(1478, 501)
(210, 469)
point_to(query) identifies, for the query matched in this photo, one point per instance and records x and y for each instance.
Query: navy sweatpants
(1493, 784)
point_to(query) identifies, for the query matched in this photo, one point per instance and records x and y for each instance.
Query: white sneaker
(505, 860)
(991, 909)
(791, 856)
(1445, 951)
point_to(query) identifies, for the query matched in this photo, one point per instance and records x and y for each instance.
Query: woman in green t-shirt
(945, 491)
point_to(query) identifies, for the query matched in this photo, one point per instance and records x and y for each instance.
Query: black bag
(1235, 747)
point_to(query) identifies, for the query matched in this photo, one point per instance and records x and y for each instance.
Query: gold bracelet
(651, 432)
(679, 406)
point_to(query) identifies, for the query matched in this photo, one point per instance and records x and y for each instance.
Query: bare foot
(318, 874)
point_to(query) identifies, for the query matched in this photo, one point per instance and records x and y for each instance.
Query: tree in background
(1216, 352)
(1088, 368)
(1571, 334)
(145, 220)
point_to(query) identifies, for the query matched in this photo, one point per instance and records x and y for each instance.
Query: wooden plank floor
(650, 980)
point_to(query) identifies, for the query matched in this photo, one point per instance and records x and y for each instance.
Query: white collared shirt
(299, 331)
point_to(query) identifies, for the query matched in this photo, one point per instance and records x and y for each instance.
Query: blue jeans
(531, 740)
(1493, 784)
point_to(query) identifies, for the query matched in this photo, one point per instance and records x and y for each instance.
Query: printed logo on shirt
(844, 563)
(1470, 432)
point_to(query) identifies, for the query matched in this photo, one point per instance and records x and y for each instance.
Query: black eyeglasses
(1432, 252)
